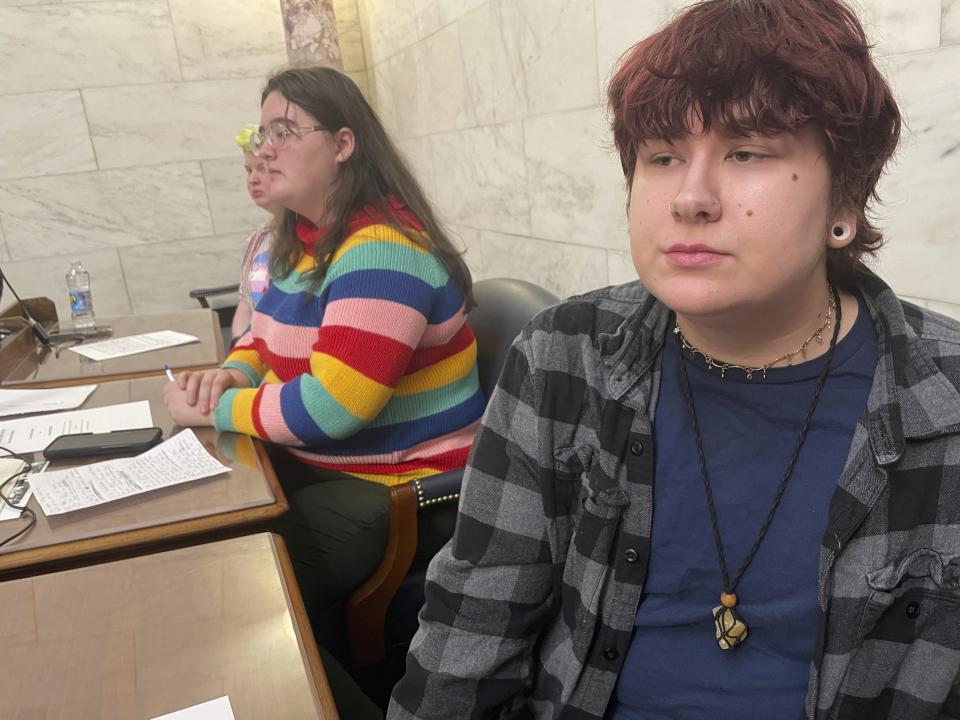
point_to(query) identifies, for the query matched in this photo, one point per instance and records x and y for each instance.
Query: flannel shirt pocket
(909, 651)
(598, 512)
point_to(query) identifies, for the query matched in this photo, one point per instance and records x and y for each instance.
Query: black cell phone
(110, 443)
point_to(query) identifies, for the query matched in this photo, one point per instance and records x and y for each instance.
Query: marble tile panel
(86, 45)
(46, 277)
(492, 63)
(161, 275)
(90, 211)
(426, 88)
(362, 79)
(400, 93)
(562, 269)
(949, 309)
(435, 14)
(950, 23)
(481, 178)
(620, 25)
(620, 267)
(230, 204)
(170, 122)
(381, 98)
(897, 27)
(44, 134)
(577, 191)
(442, 98)
(388, 26)
(228, 38)
(417, 153)
(349, 34)
(919, 214)
(558, 47)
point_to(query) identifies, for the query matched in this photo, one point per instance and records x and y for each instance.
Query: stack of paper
(21, 402)
(133, 344)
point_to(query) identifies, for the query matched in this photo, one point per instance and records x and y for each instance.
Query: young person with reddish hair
(731, 489)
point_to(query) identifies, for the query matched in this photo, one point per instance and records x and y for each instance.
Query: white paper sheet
(180, 459)
(133, 344)
(34, 433)
(21, 402)
(218, 709)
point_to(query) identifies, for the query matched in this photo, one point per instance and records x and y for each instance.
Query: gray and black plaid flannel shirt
(530, 607)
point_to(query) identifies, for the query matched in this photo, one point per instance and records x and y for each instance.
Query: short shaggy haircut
(767, 67)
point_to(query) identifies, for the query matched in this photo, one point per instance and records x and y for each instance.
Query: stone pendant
(731, 630)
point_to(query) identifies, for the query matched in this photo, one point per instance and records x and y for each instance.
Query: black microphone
(37, 328)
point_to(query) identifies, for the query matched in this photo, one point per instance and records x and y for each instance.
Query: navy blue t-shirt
(674, 668)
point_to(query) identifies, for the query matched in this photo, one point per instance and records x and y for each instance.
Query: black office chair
(382, 613)
(228, 297)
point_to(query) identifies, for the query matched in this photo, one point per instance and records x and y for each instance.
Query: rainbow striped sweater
(374, 373)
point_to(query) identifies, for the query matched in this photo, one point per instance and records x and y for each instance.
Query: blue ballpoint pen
(169, 372)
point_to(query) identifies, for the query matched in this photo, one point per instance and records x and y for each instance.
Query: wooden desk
(247, 497)
(146, 636)
(42, 368)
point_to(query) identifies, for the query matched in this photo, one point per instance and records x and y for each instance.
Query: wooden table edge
(69, 382)
(305, 631)
(37, 560)
(97, 379)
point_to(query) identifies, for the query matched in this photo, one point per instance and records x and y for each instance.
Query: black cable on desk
(31, 515)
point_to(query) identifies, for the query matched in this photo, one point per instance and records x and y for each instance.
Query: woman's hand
(183, 413)
(203, 388)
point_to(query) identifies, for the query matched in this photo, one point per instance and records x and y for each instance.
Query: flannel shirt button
(611, 654)
(636, 447)
(631, 555)
(913, 610)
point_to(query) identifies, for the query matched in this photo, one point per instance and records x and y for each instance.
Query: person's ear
(346, 143)
(843, 229)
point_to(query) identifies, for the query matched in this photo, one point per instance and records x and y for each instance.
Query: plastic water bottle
(81, 299)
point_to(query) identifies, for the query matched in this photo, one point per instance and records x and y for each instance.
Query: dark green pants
(336, 533)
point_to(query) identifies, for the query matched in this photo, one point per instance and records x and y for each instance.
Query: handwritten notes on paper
(133, 344)
(180, 459)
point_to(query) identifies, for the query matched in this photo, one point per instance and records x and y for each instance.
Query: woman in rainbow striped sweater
(359, 360)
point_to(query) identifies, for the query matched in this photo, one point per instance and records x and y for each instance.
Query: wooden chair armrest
(367, 606)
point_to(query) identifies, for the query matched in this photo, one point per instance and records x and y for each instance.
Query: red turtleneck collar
(308, 233)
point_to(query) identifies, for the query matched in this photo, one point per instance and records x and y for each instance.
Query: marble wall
(118, 118)
(499, 105)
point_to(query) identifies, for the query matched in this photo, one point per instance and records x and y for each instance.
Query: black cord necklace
(730, 628)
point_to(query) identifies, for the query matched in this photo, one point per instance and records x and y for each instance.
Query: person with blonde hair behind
(255, 263)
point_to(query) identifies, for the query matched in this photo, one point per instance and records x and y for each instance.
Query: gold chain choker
(713, 363)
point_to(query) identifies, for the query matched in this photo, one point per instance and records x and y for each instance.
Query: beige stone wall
(117, 119)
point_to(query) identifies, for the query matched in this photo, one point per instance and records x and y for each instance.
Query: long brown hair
(373, 173)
